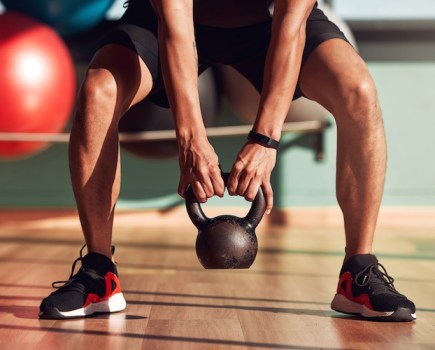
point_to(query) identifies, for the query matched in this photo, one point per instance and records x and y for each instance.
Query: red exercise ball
(37, 81)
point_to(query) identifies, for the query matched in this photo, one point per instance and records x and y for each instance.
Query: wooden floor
(282, 302)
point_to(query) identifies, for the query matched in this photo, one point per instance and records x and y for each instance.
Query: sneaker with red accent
(95, 288)
(366, 289)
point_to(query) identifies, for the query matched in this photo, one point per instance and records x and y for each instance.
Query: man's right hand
(199, 168)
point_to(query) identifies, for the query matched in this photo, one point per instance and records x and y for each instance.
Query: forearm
(180, 68)
(282, 68)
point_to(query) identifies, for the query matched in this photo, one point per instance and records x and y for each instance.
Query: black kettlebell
(226, 241)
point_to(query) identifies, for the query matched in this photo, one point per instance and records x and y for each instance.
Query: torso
(214, 13)
(231, 13)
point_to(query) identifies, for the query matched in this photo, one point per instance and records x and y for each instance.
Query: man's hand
(199, 168)
(252, 169)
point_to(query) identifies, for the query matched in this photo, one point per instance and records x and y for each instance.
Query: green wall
(407, 96)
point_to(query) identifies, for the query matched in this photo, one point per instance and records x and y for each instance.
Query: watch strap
(263, 140)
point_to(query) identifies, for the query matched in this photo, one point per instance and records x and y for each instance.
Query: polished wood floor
(282, 302)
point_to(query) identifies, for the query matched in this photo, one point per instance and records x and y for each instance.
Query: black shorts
(243, 48)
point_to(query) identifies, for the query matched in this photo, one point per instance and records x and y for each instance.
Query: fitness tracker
(262, 140)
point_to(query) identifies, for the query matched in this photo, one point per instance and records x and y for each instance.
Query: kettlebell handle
(199, 219)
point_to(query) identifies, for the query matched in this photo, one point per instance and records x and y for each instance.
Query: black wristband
(262, 140)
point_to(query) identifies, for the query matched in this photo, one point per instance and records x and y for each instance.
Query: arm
(199, 164)
(255, 163)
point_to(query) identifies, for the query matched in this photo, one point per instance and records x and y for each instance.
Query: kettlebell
(226, 241)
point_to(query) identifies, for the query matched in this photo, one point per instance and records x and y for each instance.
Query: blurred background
(396, 39)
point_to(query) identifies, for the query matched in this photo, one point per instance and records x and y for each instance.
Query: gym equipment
(38, 81)
(67, 17)
(146, 116)
(160, 135)
(226, 241)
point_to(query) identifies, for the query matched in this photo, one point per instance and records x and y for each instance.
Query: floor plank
(281, 302)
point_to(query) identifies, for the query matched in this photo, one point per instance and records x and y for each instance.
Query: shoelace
(60, 284)
(381, 281)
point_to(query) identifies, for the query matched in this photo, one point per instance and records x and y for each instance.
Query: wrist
(190, 132)
(262, 140)
(192, 139)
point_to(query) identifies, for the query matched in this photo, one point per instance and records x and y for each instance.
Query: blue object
(67, 17)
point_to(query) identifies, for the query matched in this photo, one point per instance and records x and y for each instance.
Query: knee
(97, 99)
(361, 94)
(98, 89)
(360, 105)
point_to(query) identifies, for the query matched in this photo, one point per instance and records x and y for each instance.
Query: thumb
(182, 187)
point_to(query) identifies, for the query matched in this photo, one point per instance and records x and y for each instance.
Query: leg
(336, 77)
(116, 79)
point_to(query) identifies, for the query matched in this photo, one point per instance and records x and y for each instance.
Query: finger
(243, 185)
(218, 182)
(233, 181)
(252, 190)
(199, 192)
(207, 186)
(182, 187)
(203, 177)
(268, 195)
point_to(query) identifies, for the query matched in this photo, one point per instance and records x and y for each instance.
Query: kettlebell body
(226, 241)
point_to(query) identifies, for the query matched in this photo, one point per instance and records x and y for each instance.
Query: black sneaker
(364, 289)
(95, 288)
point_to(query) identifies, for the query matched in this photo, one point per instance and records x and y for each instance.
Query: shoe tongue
(358, 262)
(98, 262)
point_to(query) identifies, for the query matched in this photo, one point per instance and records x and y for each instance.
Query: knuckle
(268, 193)
(201, 197)
(238, 167)
(220, 190)
(215, 171)
(249, 197)
(231, 190)
(200, 168)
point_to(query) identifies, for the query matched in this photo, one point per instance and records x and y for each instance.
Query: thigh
(137, 31)
(319, 29)
(140, 44)
(332, 72)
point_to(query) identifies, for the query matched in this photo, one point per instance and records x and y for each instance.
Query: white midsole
(342, 304)
(115, 303)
